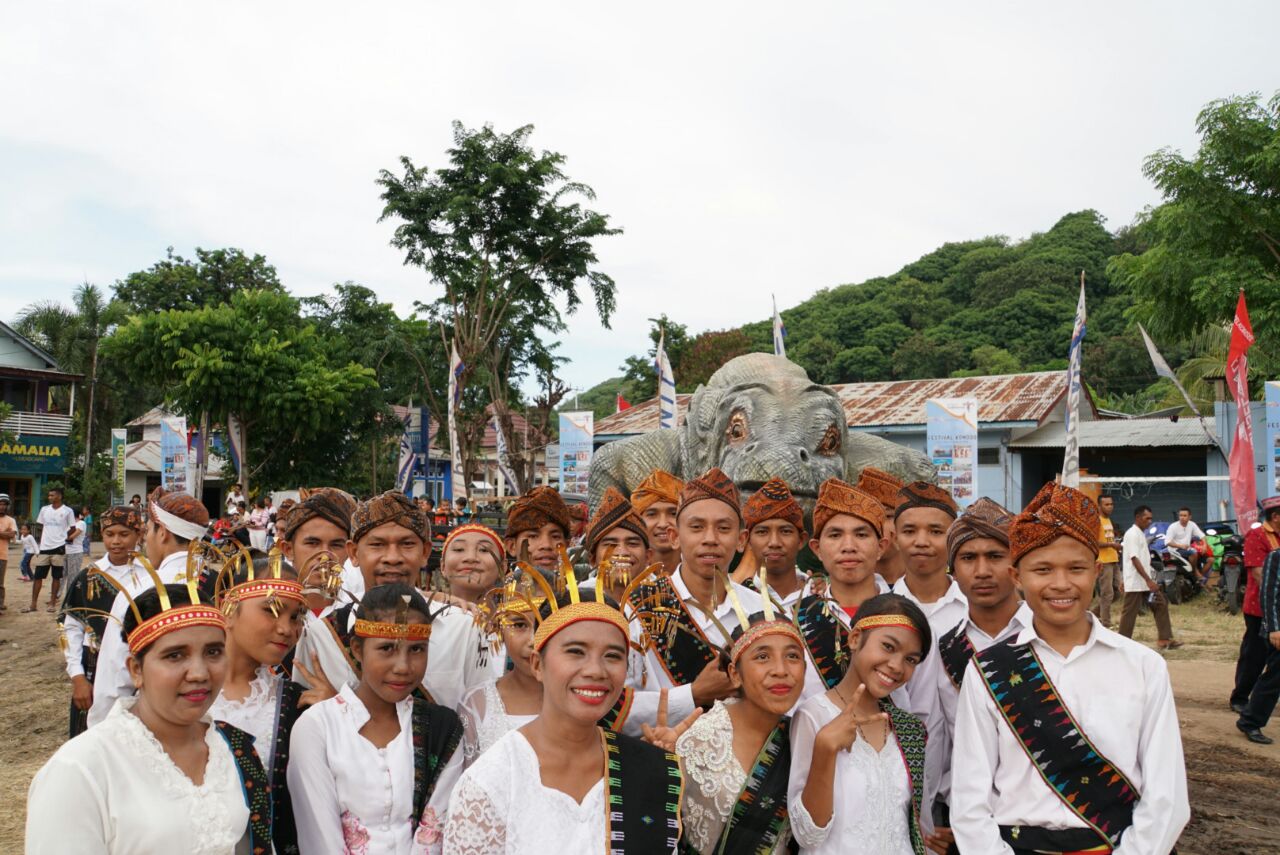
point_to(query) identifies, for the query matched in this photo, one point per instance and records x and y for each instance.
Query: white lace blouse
(485, 720)
(113, 789)
(501, 808)
(871, 792)
(255, 714)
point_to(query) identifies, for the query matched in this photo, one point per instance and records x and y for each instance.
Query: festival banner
(119, 446)
(667, 404)
(952, 436)
(1273, 437)
(173, 454)
(1071, 455)
(577, 432)
(1244, 488)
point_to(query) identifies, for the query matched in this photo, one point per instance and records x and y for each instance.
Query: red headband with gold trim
(875, 621)
(172, 620)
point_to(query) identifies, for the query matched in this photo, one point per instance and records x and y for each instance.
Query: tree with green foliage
(257, 359)
(501, 231)
(207, 280)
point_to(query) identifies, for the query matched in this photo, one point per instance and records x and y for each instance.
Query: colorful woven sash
(616, 717)
(1088, 783)
(644, 786)
(284, 829)
(759, 816)
(257, 789)
(955, 649)
(437, 732)
(911, 737)
(825, 637)
(682, 648)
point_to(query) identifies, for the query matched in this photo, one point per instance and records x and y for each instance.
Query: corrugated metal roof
(1120, 433)
(1001, 398)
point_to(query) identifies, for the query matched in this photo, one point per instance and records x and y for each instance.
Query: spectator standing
(271, 522)
(1140, 583)
(1266, 688)
(1110, 577)
(8, 533)
(75, 551)
(1181, 537)
(235, 499)
(1258, 544)
(57, 525)
(258, 525)
(29, 550)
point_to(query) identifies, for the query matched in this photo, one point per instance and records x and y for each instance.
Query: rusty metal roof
(1001, 398)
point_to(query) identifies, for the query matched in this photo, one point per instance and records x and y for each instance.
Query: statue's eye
(830, 441)
(737, 429)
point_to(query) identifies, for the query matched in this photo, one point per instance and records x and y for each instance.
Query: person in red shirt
(1258, 543)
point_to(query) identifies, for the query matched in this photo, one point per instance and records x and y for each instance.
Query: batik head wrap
(659, 486)
(836, 497)
(327, 503)
(125, 515)
(614, 512)
(922, 494)
(180, 513)
(1056, 511)
(773, 501)
(880, 484)
(536, 508)
(713, 485)
(390, 507)
(984, 518)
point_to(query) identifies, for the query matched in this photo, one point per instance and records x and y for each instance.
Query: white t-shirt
(1135, 544)
(29, 545)
(57, 522)
(1184, 534)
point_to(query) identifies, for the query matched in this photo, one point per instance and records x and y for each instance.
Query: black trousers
(1265, 694)
(1252, 659)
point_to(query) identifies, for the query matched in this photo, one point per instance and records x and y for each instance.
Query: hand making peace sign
(841, 732)
(661, 734)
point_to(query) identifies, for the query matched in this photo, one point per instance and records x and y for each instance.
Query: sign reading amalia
(33, 455)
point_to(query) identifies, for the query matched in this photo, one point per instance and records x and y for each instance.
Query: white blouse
(352, 797)
(485, 720)
(713, 780)
(501, 808)
(871, 791)
(113, 789)
(255, 714)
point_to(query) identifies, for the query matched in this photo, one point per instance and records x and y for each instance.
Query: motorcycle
(1174, 573)
(1228, 557)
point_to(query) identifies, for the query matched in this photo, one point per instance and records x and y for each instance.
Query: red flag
(623, 403)
(1244, 491)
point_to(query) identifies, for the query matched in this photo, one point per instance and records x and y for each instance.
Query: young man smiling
(1082, 750)
(775, 533)
(925, 512)
(538, 522)
(656, 500)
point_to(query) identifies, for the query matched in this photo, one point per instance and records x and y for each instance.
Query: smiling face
(1057, 581)
(660, 519)
(389, 667)
(471, 565)
(848, 548)
(884, 658)
(180, 674)
(770, 673)
(922, 539)
(389, 554)
(264, 636)
(775, 544)
(629, 553)
(119, 540)
(711, 534)
(983, 571)
(582, 668)
(544, 545)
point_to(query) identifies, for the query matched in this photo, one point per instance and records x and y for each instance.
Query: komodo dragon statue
(758, 416)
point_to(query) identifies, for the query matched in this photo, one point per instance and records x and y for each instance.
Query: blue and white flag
(667, 415)
(504, 456)
(779, 332)
(1071, 459)
(404, 467)
(459, 478)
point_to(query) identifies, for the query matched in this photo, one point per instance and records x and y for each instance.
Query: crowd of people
(669, 681)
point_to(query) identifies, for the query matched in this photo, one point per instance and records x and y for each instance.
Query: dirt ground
(1233, 783)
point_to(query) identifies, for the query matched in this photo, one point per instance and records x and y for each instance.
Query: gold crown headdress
(576, 609)
(400, 629)
(171, 617)
(321, 574)
(228, 594)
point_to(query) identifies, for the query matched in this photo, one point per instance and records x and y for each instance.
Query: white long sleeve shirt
(1119, 693)
(74, 625)
(112, 679)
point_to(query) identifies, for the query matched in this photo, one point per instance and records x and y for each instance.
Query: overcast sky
(746, 148)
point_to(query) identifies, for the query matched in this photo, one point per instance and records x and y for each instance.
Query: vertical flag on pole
(1071, 460)
(623, 404)
(404, 465)
(235, 440)
(779, 332)
(504, 456)
(456, 367)
(667, 415)
(1244, 490)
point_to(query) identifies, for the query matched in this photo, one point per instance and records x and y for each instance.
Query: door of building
(19, 492)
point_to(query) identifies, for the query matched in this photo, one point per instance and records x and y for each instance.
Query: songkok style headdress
(984, 518)
(477, 528)
(713, 485)
(171, 617)
(836, 497)
(773, 501)
(880, 484)
(614, 512)
(1056, 511)
(922, 494)
(228, 594)
(328, 503)
(180, 513)
(400, 629)
(389, 507)
(120, 515)
(659, 486)
(536, 508)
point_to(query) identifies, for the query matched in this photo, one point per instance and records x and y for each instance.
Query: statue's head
(761, 416)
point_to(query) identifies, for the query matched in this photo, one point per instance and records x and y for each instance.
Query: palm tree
(73, 336)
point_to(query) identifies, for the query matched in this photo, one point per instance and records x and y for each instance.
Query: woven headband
(285, 589)
(761, 630)
(172, 620)
(874, 621)
(381, 629)
(575, 612)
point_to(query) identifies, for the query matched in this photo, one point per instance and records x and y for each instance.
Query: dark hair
(148, 605)
(1140, 510)
(53, 490)
(382, 601)
(136, 496)
(462, 501)
(1184, 508)
(1106, 496)
(1271, 512)
(896, 604)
